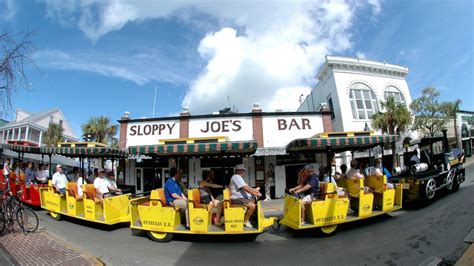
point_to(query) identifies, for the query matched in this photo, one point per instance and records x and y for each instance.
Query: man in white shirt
(60, 180)
(112, 185)
(241, 193)
(100, 184)
(6, 172)
(354, 173)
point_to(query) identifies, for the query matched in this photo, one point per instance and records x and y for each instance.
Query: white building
(31, 127)
(353, 89)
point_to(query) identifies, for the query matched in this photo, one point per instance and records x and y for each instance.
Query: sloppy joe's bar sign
(149, 133)
(238, 128)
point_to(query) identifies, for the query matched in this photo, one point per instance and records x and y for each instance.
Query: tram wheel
(56, 216)
(329, 230)
(429, 191)
(159, 236)
(457, 182)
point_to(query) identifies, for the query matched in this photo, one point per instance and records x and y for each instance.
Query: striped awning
(21, 148)
(339, 143)
(235, 147)
(89, 152)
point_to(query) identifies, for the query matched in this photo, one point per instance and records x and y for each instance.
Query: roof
(55, 159)
(268, 151)
(78, 152)
(339, 144)
(421, 142)
(231, 147)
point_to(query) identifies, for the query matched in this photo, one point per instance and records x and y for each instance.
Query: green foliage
(101, 129)
(431, 116)
(53, 135)
(394, 120)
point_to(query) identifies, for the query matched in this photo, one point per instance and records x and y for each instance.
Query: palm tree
(100, 129)
(53, 135)
(394, 120)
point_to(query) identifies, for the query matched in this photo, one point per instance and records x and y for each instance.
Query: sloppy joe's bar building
(271, 131)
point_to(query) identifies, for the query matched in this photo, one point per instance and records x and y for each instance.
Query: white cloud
(376, 6)
(266, 51)
(141, 68)
(361, 55)
(9, 9)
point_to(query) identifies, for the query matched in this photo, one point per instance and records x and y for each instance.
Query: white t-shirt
(6, 169)
(354, 173)
(375, 171)
(101, 184)
(80, 182)
(111, 183)
(236, 190)
(59, 180)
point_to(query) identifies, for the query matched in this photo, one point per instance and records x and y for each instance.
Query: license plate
(406, 186)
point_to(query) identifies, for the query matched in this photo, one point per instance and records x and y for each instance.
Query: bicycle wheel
(2, 222)
(27, 219)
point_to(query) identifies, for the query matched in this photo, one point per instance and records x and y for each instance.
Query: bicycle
(14, 210)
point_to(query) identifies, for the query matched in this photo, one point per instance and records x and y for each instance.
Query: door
(138, 180)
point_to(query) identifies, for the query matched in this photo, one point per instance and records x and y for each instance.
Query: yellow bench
(234, 214)
(384, 197)
(361, 200)
(199, 215)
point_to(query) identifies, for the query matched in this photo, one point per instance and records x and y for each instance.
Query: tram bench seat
(228, 203)
(353, 186)
(194, 197)
(71, 189)
(377, 183)
(91, 193)
(326, 191)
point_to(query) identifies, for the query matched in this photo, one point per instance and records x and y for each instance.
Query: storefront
(161, 143)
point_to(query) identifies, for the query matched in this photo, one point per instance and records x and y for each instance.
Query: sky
(106, 57)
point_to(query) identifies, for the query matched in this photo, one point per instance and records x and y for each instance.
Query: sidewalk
(40, 248)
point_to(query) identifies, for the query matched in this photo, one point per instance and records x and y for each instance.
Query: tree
(451, 109)
(100, 129)
(13, 58)
(394, 120)
(430, 115)
(53, 135)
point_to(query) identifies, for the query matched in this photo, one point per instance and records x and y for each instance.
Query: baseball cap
(240, 167)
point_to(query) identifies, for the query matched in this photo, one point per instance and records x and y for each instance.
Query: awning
(86, 152)
(21, 148)
(269, 151)
(55, 159)
(234, 147)
(339, 144)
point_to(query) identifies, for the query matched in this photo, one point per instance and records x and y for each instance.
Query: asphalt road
(407, 237)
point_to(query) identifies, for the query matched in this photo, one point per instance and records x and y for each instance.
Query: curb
(467, 258)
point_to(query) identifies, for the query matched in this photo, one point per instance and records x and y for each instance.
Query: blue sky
(106, 57)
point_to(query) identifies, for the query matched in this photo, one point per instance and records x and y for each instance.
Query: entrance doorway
(149, 178)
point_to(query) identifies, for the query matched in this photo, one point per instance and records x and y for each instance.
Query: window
(331, 107)
(363, 102)
(391, 91)
(51, 119)
(61, 123)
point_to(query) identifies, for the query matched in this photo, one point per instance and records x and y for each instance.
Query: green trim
(236, 147)
(339, 143)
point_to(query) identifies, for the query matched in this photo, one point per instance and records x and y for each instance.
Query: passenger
(91, 178)
(343, 171)
(354, 172)
(310, 188)
(101, 185)
(174, 195)
(112, 185)
(206, 195)
(377, 171)
(59, 180)
(328, 178)
(16, 171)
(46, 172)
(364, 168)
(80, 181)
(22, 173)
(241, 193)
(415, 158)
(6, 173)
(41, 175)
(30, 174)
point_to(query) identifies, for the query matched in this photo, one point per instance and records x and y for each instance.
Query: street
(407, 237)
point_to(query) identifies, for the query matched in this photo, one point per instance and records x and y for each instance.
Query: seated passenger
(377, 171)
(415, 158)
(40, 175)
(328, 178)
(101, 185)
(59, 180)
(309, 186)
(354, 172)
(206, 195)
(30, 174)
(174, 195)
(80, 181)
(112, 185)
(241, 193)
(343, 171)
